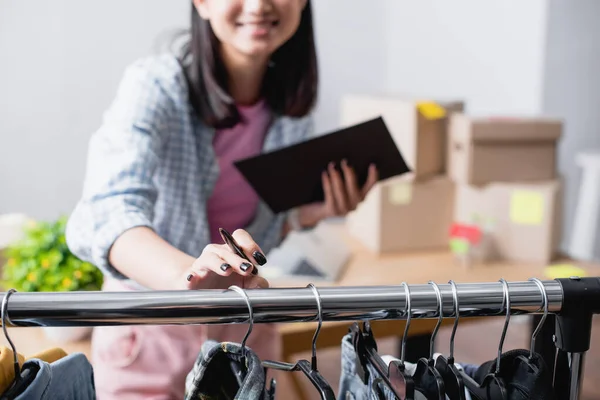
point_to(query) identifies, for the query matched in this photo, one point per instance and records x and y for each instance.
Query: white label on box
(400, 194)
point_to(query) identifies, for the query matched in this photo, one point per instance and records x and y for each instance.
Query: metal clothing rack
(574, 301)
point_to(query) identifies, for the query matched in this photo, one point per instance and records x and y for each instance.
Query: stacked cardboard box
(505, 171)
(412, 212)
(497, 174)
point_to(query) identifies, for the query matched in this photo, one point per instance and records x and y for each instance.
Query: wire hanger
(240, 372)
(19, 382)
(428, 379)
(492, 386)
(313, 360)
(309, 369)
(397, 368)
(243, 293)
(528, 362)
(541, 323)
(5, 321)
(453, 383)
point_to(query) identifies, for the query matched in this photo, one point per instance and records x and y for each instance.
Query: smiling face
(254, 28)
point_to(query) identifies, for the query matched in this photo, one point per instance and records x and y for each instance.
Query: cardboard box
(486, 150)
(420, 129)
(400, 215)
(522, 219)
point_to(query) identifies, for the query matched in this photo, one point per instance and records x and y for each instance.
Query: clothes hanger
(522, 360)
(453, 382)
(239, 368)
(23, 378)
(528, 361)
(426, 377)
(541, 323)
(309, 369)
(397, 369)
(492, 387)
(393, 375)
(365, 348)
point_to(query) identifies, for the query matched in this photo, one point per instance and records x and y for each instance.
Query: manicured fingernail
(189, 277)
(255, 271)
(225, 267)
(245, 266)
(259, 257)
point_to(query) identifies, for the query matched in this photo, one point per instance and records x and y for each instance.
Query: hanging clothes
(351, 385)
(214, 378)
(7, 370)
(524, 378)
(68, 378)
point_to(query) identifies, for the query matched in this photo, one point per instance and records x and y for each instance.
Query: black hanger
(453, 382)
(365, 348)
(309, 368)
(427, 379)
(492, 387)
(23, 378)
(393, 375)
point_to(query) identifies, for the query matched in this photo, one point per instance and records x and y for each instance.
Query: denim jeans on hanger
(69, 378)
(351, 385)
(213, 377)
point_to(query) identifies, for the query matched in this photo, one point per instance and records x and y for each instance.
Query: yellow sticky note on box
(431, 110)
(563, 271)
(526, 207)
(400, 194)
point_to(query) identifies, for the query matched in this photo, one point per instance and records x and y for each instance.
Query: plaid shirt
(151, 163)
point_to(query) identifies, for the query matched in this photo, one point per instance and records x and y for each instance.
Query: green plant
(42, 262)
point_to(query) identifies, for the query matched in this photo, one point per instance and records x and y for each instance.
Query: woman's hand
(218, 267)
(342, 194)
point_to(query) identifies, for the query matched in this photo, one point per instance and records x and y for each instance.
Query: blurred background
(61, 62)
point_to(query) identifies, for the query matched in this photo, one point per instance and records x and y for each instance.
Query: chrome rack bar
(270, 305)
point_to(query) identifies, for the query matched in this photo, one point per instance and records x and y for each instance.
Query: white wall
(61, 62)
(353, 50)
(60, 65)
(572, 90)
(480, 51)
(489, 53)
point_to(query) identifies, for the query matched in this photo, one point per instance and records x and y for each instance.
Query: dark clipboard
(290, 177)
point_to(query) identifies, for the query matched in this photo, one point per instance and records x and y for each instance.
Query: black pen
(235, 247)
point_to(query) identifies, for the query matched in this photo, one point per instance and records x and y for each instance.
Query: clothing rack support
(576, 376)
(581, 300)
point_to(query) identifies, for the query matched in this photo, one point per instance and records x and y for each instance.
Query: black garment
(213, 378)
(522, 381)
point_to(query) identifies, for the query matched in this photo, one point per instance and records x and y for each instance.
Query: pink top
(233, 202)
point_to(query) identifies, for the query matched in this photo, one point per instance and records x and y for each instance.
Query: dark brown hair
(289, 86)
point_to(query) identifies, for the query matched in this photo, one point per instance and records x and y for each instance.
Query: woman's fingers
(372, 179)
(328, 192)
(353, 192)
(251, 249)
(213, 262)
(339, 190)
(238, 264)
